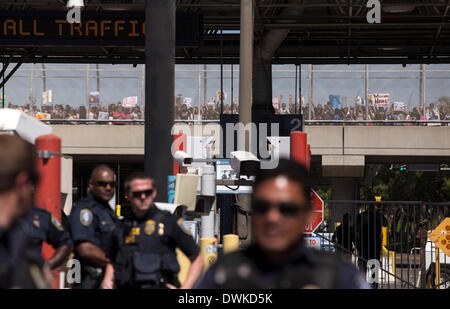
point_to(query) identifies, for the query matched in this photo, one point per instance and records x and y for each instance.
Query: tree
(395, 185)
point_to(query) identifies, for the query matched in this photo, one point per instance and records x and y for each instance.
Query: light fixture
(75, 3)
(390, 48)
(397, 6)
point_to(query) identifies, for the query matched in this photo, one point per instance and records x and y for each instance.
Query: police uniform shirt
(92, 221)
(151, 241)
(20, 265)
(43, 226)
(170, 231)
(249, 269)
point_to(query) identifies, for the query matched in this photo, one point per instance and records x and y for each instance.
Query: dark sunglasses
(287, 209)
(138, 194)
(105, 183)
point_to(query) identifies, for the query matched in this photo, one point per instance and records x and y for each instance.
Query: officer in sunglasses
(91, 224)
(277, 257)
(143, 250)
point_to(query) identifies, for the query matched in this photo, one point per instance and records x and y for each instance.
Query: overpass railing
(307, 122)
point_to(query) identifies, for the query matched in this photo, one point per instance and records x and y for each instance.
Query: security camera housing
(182, 158)
(245, 163)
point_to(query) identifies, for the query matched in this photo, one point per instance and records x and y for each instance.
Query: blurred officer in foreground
(21, 266)
(143, 251)
(91, 224)
(278, 258)
(43, 226)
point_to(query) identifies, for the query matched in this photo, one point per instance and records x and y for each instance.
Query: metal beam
(245, 72)
(159, 91)
(5, 66)
(17, 66)
(235, 60)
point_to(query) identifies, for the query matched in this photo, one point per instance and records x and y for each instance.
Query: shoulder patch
(56, 223)
(183, 226)
(36, 221)
(86, 217)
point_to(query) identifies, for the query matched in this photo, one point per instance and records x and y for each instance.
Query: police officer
(91, 224)
(20, 265)
(143, 251)
(277, 258)
(43, 226)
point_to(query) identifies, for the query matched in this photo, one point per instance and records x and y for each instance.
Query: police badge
(149, 227)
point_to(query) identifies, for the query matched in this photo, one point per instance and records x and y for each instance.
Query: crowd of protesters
(211, 111)
(94, 112)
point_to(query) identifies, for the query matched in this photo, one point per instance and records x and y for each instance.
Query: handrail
(307, 122)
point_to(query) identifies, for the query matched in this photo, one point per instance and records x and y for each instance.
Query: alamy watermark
(74, 271)
(250, 136)
(373, 267)
(74, 15)
(374, 13)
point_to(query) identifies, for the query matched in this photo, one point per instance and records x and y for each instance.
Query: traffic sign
(313, 242)
(441, 236)
(317, 213)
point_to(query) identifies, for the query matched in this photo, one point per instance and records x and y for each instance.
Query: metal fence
(307, 122)
(388, 241)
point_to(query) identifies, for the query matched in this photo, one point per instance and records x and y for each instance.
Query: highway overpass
(341, 151)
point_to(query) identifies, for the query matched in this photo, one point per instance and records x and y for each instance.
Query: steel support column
(245, 70)
(159, 91)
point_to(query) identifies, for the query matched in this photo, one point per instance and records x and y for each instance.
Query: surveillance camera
(182, 157)
(245, 163)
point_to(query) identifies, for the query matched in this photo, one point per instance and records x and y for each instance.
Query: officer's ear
(91, 184)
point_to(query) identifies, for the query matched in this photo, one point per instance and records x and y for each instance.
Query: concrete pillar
(342, 188)
(246, 67)
(422, 88)
(159, 91)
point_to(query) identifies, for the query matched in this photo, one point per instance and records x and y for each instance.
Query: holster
(91, 278)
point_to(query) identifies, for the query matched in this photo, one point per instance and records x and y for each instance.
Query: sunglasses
(105, 183)
(287, 209)
(138, 194)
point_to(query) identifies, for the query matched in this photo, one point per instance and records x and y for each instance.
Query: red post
(299, 147)
(179, 144)
(308, 157)
(48, 190)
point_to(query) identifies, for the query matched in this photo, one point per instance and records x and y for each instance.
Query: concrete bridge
(341, 155)
(341, 151)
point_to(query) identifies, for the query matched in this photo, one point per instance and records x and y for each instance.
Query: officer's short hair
(99, 168)
(137, 175)
(16, 156)
(292, 171)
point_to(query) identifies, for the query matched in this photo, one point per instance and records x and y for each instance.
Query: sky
(71, 83)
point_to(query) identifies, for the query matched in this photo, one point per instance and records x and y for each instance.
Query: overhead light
(75, 3)
(397, 7)
(390, 48)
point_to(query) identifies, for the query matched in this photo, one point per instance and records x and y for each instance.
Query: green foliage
(396, 185)
(325, 194)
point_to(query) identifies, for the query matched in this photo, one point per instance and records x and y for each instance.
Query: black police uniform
(20, 264)
(248, 269)
(92, 221)
(43, 226)
(144, 250)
